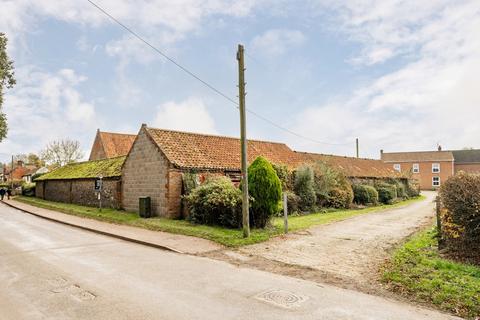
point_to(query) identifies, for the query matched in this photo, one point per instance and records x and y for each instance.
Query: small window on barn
(235, 176)
(416, 168)
(397, 167)
(436, 181)
(435, 167)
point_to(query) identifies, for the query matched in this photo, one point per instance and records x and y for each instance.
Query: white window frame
(397, 167)
(435, 165)
(433, 181)
(416, 168)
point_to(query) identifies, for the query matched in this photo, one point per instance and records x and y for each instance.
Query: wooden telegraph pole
(356, 146)
(243, 139)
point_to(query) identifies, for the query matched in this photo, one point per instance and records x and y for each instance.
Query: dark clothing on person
(9, 193)
(2, 193)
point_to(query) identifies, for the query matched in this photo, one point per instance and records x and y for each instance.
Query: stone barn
(158, 158)
(74, 183)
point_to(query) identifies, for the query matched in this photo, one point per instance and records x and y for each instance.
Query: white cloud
(276, 42)
(46, 106)
(190, 115)
(432, 98)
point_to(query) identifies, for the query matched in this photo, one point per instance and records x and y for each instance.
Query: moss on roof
(88, 169)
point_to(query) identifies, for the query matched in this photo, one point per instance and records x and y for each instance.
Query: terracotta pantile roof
(419, 156)
(200, 151)
(116, 144)
(353, 167)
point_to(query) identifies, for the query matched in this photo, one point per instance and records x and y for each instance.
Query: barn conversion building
(157, 160)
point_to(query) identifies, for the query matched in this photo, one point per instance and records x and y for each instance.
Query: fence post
(285, 212)
(438, 208)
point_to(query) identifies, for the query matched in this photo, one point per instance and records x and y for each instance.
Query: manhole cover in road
(282, 298)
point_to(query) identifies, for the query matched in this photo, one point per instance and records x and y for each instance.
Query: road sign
(98, 184)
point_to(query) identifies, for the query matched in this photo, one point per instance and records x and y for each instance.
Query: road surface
(53, 271)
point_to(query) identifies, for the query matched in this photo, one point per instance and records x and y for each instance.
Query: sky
(397, 75)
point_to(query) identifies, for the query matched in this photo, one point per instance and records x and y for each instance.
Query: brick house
(158, 158)
(431, 168)
(110, 145)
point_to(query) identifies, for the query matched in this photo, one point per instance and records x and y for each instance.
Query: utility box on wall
(144, 206)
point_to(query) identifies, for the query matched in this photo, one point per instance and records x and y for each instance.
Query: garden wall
(80, 191)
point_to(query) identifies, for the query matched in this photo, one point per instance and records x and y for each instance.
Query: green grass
(418, 270)
(227, 237)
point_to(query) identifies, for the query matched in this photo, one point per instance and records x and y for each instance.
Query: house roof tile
(116, 144)
(466, 156)
(200, 151)
(353, 167)
(419, 156)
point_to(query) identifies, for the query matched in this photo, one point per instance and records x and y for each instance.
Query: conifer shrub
(215, 202)
(387, 193)
(364, 194)
(340, 198)
(265, 189)
(373, 195)
(304, 188)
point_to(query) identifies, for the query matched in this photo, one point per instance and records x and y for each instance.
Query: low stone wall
(80, 191)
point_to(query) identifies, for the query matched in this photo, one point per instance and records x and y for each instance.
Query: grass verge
(227, 237)
(418, 270)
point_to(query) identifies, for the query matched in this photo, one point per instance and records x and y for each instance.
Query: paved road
(349, 252)
(52, 271)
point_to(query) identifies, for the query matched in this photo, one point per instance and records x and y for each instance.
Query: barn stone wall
(146, 173)
(80, 191)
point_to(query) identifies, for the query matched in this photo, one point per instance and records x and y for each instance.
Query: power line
(211, 87)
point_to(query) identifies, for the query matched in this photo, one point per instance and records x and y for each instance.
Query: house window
(416, 168)
(397, 167)
(436, 181)
(435, 167)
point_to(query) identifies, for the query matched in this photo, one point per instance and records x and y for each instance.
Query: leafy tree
(34, 159)
(7, 80)
(61, 152)
(304, 187)
(265, 188)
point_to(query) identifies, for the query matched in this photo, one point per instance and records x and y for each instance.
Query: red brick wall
(468, 168)
(425, 176)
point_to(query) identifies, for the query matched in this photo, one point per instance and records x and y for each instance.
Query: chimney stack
(381, 154)
(439, 148)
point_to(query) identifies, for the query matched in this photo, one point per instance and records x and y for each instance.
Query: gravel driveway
(349, 252)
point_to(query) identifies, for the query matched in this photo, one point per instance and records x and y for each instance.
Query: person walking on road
(9, 193)
(2, 193)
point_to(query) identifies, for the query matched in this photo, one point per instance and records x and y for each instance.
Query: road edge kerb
(113, 235)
